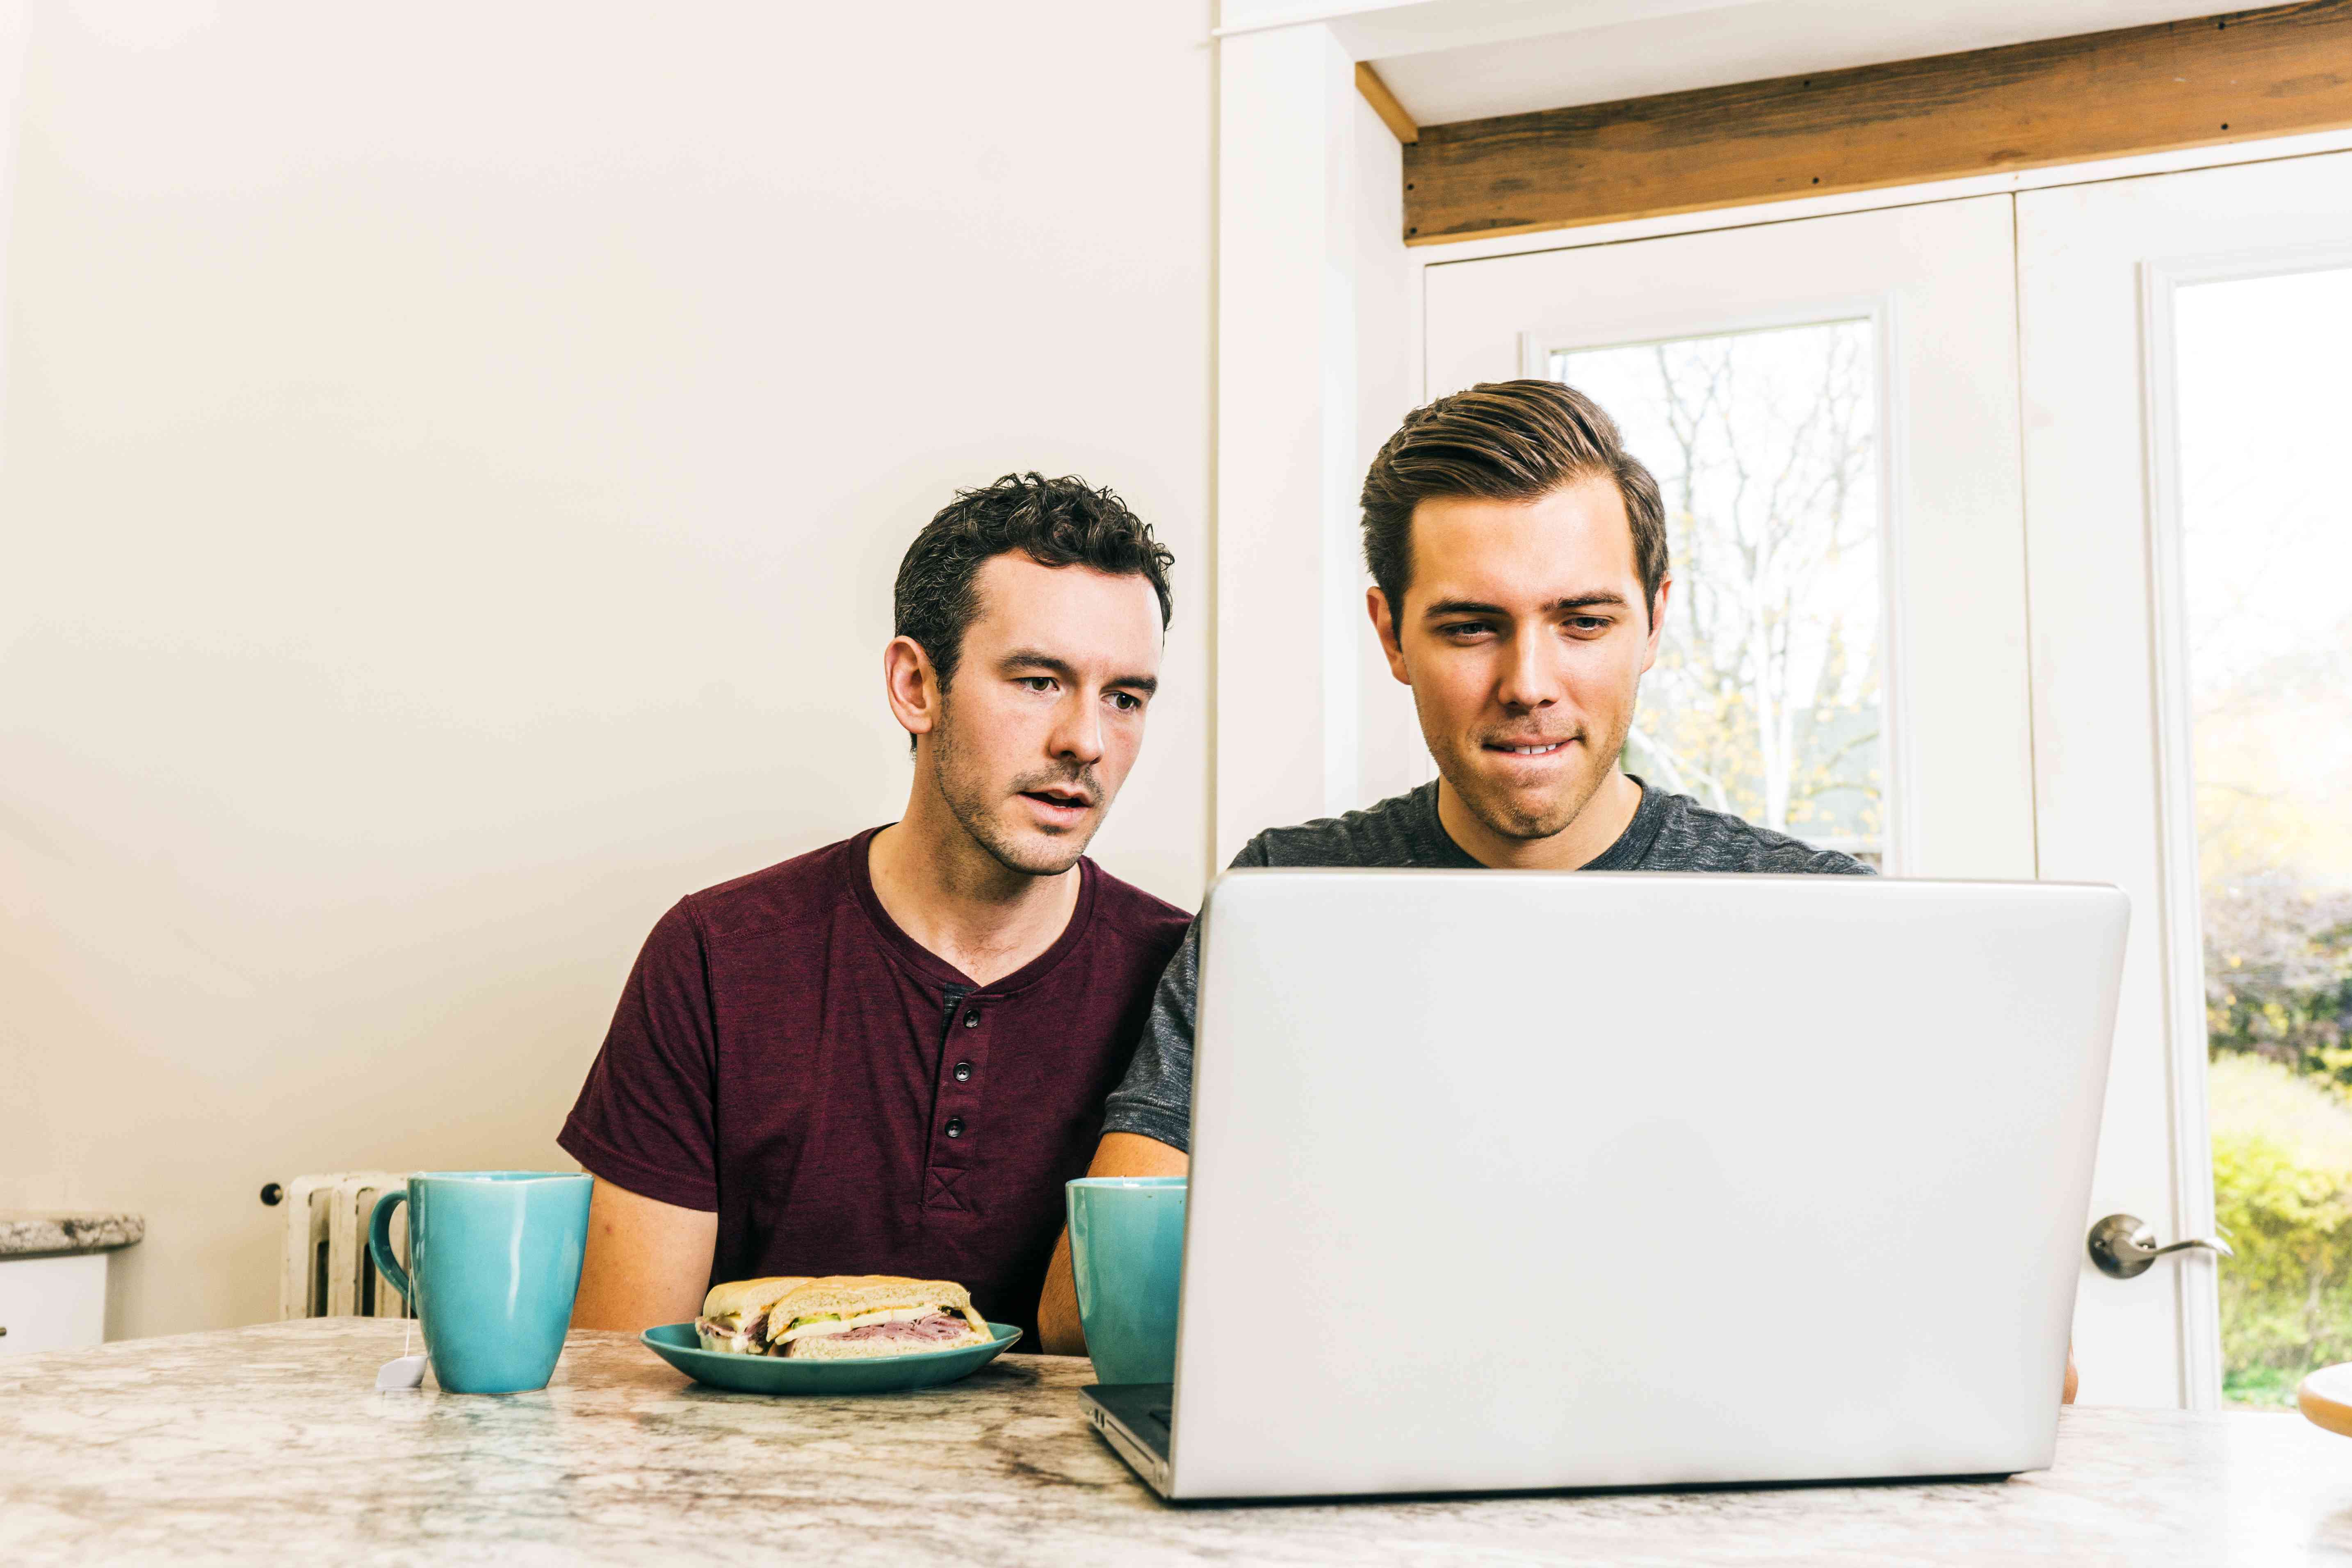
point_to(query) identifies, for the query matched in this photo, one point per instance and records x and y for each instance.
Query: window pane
(2267, 548)
(1765, 700)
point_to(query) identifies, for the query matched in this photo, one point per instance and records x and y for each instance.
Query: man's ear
(1657, 623)
(1376, 604)
(911, 686)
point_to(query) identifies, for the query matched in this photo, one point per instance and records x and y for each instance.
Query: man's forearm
(1059, 1331)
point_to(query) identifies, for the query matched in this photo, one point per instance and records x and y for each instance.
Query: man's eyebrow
(1599, 599)
(1461, 607)
(1030, 659)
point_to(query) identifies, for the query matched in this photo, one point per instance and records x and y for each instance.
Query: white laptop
(1520, 1180)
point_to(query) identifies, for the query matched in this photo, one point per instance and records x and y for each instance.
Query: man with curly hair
(886, 1056)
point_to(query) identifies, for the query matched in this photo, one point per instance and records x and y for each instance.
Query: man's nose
(1529, 679)
(1079, 735)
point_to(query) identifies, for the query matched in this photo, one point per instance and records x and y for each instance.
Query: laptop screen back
(1524, 1180)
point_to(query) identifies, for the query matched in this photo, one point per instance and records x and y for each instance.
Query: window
(2266, 550)
(1765, 699)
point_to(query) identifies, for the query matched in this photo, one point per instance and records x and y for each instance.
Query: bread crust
(846, 1295)
(750, 1295)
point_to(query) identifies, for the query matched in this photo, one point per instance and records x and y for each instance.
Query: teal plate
(677, 1344)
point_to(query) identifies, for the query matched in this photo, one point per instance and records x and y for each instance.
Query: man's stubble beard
(1503, 817)
(971, 802)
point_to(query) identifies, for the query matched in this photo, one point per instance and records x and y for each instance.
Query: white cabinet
(52, 1303)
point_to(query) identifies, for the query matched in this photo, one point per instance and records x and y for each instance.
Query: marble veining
(268, 1445)
(27, 1232)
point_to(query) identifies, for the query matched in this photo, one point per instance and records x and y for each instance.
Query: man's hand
(1119, 1154)
(647, 1262)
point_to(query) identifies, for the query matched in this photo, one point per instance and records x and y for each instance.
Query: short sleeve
(643, 1118)
(1155, 1098)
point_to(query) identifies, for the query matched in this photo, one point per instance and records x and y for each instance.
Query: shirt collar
(1623, 855)
(937, 972)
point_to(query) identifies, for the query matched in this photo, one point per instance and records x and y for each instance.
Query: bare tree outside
(1766, 698)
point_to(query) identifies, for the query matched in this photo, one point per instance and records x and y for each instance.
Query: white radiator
(327, 1272)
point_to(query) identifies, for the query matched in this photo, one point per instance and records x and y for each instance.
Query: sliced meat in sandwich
(847, 1316)
(735, 1315)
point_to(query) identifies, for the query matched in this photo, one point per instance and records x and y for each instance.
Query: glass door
(2184, 338)
(1831, 407)
(2266, 595)
(2103, 417)
(1767, 698)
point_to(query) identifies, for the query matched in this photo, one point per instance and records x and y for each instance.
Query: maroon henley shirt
(848, 1101)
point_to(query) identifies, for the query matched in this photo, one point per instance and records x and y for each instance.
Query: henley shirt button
(955, 1126)
(964, 1072)
(971, 1018)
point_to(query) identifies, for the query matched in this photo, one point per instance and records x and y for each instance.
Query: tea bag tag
(402, 1372)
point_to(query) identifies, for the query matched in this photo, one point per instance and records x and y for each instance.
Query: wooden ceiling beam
(1384, 103)
(2277, 71)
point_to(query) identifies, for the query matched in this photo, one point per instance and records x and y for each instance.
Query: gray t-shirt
(1668, 833)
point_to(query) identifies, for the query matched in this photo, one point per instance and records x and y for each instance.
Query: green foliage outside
(2278, 966)
(2286, 1297)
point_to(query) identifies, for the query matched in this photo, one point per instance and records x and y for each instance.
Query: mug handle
(380, 1242)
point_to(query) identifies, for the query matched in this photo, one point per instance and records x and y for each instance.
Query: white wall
(15, 25)
(1392, 755)
(1318, 325)
(454, 460)
(1286, 696)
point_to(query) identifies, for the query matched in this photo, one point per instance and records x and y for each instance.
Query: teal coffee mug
(493, 1264)
(1126, 1257)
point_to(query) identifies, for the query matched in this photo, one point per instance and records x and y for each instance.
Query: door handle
(2124, 1247)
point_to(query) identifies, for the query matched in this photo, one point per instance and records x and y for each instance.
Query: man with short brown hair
(886, 1056)
(1519, 554)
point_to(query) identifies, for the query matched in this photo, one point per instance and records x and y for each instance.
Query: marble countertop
(268, 1445)
(34, 1232)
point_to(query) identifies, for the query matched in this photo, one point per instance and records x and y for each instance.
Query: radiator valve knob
(273, 1195)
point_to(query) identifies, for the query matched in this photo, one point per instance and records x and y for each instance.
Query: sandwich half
(734, 1314)
(840, 1317)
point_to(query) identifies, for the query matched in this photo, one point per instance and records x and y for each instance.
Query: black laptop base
(1134, 1418)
